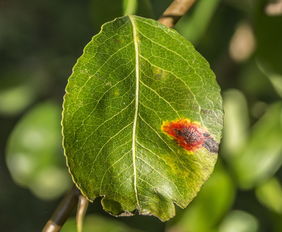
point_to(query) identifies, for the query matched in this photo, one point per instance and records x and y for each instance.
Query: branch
(63, 211)
(175, 11)
(274, 8)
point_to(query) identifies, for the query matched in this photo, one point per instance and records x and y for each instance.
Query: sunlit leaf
(34, 152)
(135, 78)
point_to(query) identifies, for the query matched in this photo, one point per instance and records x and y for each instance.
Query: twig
(274, 8)
(175, 11)
(63, 211)
(81, 211)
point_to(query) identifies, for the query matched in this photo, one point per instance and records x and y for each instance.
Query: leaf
(263, 150)
(134, 77)
(276, 81)
(212, 203)
(236, 122)
(18, 89)
(33, 152)
(269, 194)
(239, 221)
(194, 25)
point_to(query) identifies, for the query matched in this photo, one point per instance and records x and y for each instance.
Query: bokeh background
(242, 39)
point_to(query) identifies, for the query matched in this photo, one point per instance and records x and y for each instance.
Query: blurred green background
(242, 39)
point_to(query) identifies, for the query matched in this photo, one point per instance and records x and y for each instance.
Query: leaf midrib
(137, 75)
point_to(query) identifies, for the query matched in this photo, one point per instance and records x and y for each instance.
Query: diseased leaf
(211, 204)
(135, 78)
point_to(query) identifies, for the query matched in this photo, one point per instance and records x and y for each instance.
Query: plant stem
(81, 211)
(63, 211)
(175, 11)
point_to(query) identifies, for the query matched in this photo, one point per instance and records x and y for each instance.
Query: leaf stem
(175, 11)
(63, 211)
(81, 211)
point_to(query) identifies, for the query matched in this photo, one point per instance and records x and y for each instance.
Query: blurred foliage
(39, 43)
(269, 194)
(267, 32)
(239, 221)
(34, 155)
(236, 122)
(194, 25)
(98, 224)
(263, 150)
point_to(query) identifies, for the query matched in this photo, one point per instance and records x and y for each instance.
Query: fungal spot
(211, 145)
(190, 135)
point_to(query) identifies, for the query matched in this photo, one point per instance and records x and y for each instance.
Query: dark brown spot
(211, 145)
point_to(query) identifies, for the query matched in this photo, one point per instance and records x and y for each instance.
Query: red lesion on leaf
(190, 135)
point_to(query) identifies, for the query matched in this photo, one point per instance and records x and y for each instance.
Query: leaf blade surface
(134, 75)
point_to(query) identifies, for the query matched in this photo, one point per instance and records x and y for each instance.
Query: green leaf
(194, 25)
(33, 152)
(214, 200)
(276, 81)
(133, 76)
(236, 122)
(263, 150)
(239, 221)
(18, 89)
(270, 195)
